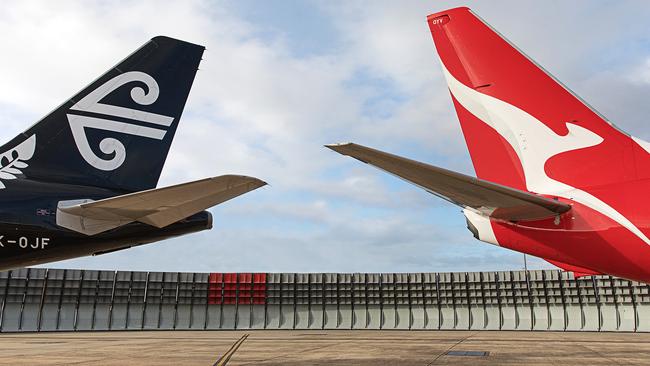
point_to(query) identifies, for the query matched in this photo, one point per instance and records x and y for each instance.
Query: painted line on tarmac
(223, 360)
(443, 353)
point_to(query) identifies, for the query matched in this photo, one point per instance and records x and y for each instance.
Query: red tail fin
(523, 128)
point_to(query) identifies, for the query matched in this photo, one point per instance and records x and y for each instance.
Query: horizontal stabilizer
(157, 207)
(490, 199)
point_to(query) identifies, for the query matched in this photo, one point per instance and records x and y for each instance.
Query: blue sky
(281, 78)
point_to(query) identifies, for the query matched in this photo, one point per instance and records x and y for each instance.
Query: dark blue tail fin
(117, 131)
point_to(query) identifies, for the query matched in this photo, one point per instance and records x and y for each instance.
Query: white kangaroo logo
(90, 103)
(535, 143)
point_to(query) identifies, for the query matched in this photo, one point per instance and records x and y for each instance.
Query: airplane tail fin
(523, 128)
(117, 131)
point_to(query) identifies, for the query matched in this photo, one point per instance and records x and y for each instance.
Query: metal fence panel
(59, 299)
(257, 317)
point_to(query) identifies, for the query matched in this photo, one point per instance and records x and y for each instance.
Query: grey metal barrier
(36, 299)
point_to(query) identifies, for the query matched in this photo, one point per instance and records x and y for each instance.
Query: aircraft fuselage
(29, 233)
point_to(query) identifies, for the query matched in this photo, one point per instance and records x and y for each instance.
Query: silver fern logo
(13, 160)
(111, 146)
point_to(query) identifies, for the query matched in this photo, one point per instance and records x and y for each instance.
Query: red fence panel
(237, 288)
(215, 288)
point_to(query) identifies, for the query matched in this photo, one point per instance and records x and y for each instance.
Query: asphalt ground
(329, 347)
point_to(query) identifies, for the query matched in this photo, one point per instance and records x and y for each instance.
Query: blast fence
(38, 299)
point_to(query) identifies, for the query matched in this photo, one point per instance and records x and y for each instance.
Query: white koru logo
(109, 145)
(13, 160)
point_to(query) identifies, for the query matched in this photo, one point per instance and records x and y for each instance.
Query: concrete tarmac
(329, 347)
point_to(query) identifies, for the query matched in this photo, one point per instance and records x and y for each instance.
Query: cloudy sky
(281, 78)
